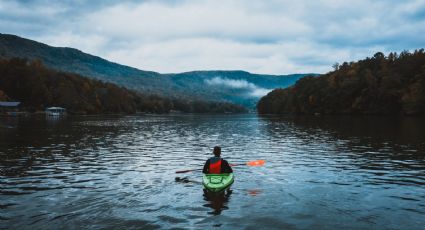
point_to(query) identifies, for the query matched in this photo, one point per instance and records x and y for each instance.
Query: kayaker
(217, 165)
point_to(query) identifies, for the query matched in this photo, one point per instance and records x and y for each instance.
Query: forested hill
(232, 86)
(38, 87)
(67, 59)
(393, 84)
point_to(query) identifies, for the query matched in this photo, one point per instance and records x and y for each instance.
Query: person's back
(216, 165)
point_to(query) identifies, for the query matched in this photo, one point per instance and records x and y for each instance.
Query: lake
(321, 172)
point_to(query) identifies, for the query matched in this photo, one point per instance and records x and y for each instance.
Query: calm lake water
(118, 172)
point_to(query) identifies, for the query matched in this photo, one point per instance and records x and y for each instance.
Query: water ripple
(117, 172)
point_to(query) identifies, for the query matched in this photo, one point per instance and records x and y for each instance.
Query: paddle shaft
(191, 170)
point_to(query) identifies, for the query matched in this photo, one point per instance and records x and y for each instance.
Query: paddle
(252, 163)
(249, 163)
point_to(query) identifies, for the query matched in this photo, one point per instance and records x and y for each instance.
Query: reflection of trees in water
(369, 140)
(374, 130)
(217, 201)
(38, 141)
(8, 123)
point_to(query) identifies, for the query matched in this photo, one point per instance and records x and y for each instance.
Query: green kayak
(217, 182)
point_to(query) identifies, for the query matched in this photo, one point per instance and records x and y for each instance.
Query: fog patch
(252, 89)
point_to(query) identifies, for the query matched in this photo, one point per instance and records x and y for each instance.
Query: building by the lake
(55, 111)
(9, 108)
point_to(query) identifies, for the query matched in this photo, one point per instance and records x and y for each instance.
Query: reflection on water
(217, 201)
(254, 192)
(8, 122)
(118, 172)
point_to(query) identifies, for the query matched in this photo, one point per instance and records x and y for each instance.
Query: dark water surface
(117, 172)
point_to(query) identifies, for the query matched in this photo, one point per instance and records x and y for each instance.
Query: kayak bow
(217, 182)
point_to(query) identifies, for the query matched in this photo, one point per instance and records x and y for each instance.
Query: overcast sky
(274, 37)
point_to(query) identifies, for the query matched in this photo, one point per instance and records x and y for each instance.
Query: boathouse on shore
(55, 111)
(9, 107)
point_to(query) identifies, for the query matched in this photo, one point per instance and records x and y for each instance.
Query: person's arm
(226, 167)
(206, 167)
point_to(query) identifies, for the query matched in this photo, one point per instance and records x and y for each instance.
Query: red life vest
(215, 168)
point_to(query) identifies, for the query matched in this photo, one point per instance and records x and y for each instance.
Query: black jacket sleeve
(225, 167)
(206, 167)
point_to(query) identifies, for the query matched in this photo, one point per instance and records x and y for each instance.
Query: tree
(377, 85)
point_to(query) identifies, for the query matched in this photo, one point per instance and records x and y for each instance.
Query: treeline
(38, 87)
(393, 84)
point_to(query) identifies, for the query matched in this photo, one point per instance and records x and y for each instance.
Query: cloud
(274, 37)
(252, 89)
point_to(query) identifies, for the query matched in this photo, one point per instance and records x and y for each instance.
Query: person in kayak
(217, 165)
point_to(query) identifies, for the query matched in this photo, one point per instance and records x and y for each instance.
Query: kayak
(217, 182)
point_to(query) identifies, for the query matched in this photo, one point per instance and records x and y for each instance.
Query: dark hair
(217, 151)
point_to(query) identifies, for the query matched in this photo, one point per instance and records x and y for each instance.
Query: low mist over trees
(393, 84)
(38, 87)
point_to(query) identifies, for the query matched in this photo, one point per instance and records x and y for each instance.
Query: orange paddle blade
(256, 163)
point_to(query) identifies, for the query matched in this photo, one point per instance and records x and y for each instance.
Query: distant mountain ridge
(238, 87)
(66, 59)
(38, 87)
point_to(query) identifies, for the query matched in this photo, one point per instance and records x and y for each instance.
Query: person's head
(217, 151)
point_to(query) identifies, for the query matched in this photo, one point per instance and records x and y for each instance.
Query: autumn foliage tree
(38, 87)
(393, 84)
